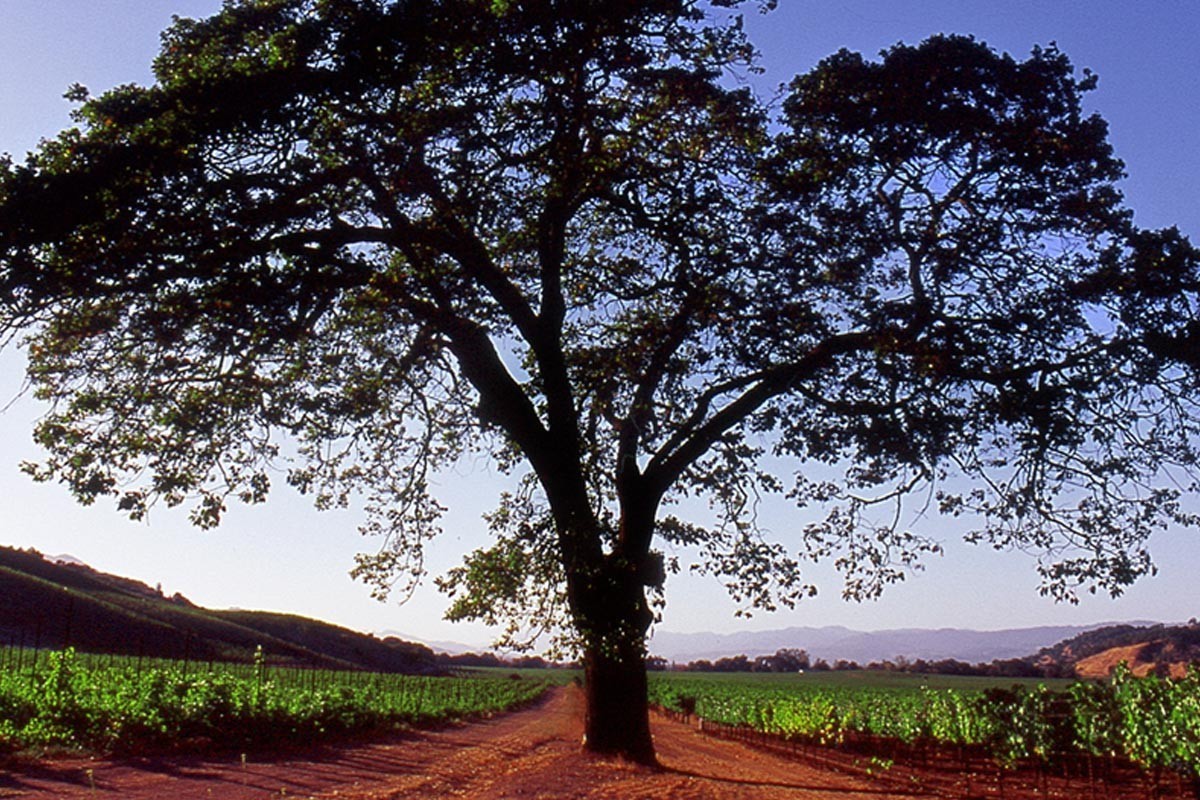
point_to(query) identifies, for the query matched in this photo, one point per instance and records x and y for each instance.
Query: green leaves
(517, 583)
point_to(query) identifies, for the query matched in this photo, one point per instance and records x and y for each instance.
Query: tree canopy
(364, 237)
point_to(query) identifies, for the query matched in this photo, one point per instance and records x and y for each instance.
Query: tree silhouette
(396, 231)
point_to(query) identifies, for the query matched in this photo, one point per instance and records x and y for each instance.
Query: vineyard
(1093, 729)
(1140, 735)
(105, 704)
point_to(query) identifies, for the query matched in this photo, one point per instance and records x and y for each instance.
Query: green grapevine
(64, 701)
(1154, 722)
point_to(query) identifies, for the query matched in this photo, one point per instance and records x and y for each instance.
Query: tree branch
(666, 467)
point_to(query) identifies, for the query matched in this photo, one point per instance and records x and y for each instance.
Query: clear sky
(285, 556)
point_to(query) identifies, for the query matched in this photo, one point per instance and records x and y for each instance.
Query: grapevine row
(1152, 721)
(67, 703)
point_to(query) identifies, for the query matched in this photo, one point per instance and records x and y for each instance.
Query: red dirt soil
(532, 753)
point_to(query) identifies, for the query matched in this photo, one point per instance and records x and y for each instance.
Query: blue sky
(286, 556)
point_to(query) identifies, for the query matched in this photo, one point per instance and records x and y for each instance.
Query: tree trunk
(617, 721)
(607, 596)
(618, 717)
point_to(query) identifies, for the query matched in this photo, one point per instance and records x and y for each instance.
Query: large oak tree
(378, 234)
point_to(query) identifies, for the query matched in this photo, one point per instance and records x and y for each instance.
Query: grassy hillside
(53, 605)
(1160, 649)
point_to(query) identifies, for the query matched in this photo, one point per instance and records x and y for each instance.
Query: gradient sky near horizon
(286, 556)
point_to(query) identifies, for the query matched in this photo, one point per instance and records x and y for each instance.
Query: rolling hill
(1159, 649)
(53, 604)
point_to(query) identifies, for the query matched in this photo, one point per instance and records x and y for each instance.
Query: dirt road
(530, 754)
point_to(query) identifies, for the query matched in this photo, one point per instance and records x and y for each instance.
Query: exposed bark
(614, 617)
(617, 718)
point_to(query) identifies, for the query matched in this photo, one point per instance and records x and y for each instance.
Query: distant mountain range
(834, 642)
(438, 646)
(58, 601)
